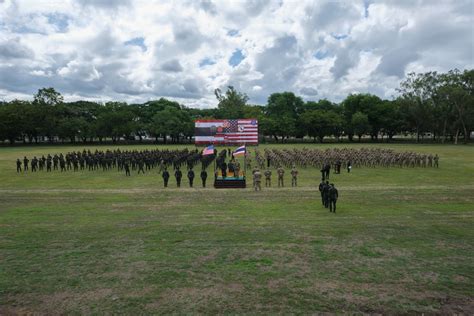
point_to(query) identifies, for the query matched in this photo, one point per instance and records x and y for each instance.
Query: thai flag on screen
(240, 151)
(209, 150)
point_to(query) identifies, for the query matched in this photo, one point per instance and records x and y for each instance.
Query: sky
(140, 50)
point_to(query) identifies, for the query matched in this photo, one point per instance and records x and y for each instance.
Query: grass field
(402, 241)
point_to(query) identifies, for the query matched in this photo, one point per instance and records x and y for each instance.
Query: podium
(229, 182)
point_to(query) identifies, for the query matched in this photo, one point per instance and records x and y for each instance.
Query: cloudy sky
(138, 50)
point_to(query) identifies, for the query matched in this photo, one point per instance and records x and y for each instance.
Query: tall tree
(231, 104)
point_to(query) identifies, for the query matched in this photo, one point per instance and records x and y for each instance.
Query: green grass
(402, 241)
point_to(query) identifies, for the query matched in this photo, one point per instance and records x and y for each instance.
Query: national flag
(228, 132)
(240, 151)
(209, 150)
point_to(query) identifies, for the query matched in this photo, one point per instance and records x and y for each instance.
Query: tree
(360, 124)
(321, 123)
(283, 110)
(48, 96)
(231, 104)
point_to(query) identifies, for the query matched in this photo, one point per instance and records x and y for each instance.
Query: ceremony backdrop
(227, 132)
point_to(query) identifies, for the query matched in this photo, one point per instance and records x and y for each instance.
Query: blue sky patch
(236, 58)
(206, 62)
(320, 54)
(137, 41)
(233, 33)
(339, 36)
(61, 21)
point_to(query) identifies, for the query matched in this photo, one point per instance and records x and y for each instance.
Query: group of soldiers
(124, 161)
(344, 157)
(257, 177)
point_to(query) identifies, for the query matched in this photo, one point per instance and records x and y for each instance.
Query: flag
(240, 151)
(209, 150)
(229, 132)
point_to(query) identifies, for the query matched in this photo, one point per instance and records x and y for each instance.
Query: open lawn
(402, 241)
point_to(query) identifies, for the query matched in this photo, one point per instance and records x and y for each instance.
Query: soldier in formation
(257, 179)
(281, 173)
(166, 177)
(268, 178)
(294, 176)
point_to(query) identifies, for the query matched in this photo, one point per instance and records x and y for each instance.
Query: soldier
(166, 176)
(140, 166)
(294, 175)
(436, 159)
(18, 165)
(257, 179)
(126, 166)
(237, 169)
(321, 189)
(203, 177)
(25, 163)
(191, 177)
(48, 164)
(326, 194)
(333, 195)
(323, 173)
(349, 166)
(62, 165)
(178, 175)
(327, 170)
(268, 178)
(281, 173)
(338, 166)
(34, 164)
(224, 170)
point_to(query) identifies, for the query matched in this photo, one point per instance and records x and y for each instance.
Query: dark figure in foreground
(178, 175)
(321, 188)
(166, 176)
(191, 177)
(25, 163)
(203, 177)
(333, 195)
(326, 194)
(18, 165)
(127, 168)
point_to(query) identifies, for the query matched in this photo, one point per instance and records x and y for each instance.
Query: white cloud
(318, 49)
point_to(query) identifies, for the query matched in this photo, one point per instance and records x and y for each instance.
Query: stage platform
(230, 183)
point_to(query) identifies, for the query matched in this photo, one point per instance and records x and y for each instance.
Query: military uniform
(294, 176)
(203, 178)
(333, 195)
(257, 179)
(281, 173)
(166, 176)
(178, 175)
(191, 177)
(268, 178)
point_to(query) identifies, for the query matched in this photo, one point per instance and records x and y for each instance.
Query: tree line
(438, 104)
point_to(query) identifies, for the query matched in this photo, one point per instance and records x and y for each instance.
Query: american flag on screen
(228, 132)
(240, 132)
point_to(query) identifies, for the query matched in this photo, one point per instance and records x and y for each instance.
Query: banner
(226, 132)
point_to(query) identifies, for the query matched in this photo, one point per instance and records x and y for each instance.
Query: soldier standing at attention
(140, 166)
(281, 173)
(34, 164)
(268, 178)
(294, 176)
(166, 176)
(203, 177)
(349, 166)
(436, 160)
(178, 175)
(48, 164)
(333, 195)
(257, 179)
(18, 165)
(191, 177)
(25, 163)
(127, 168)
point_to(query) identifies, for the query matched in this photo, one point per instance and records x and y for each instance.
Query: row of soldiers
(257, 177)
(345, 157)
(122, 160)
(178, 174)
